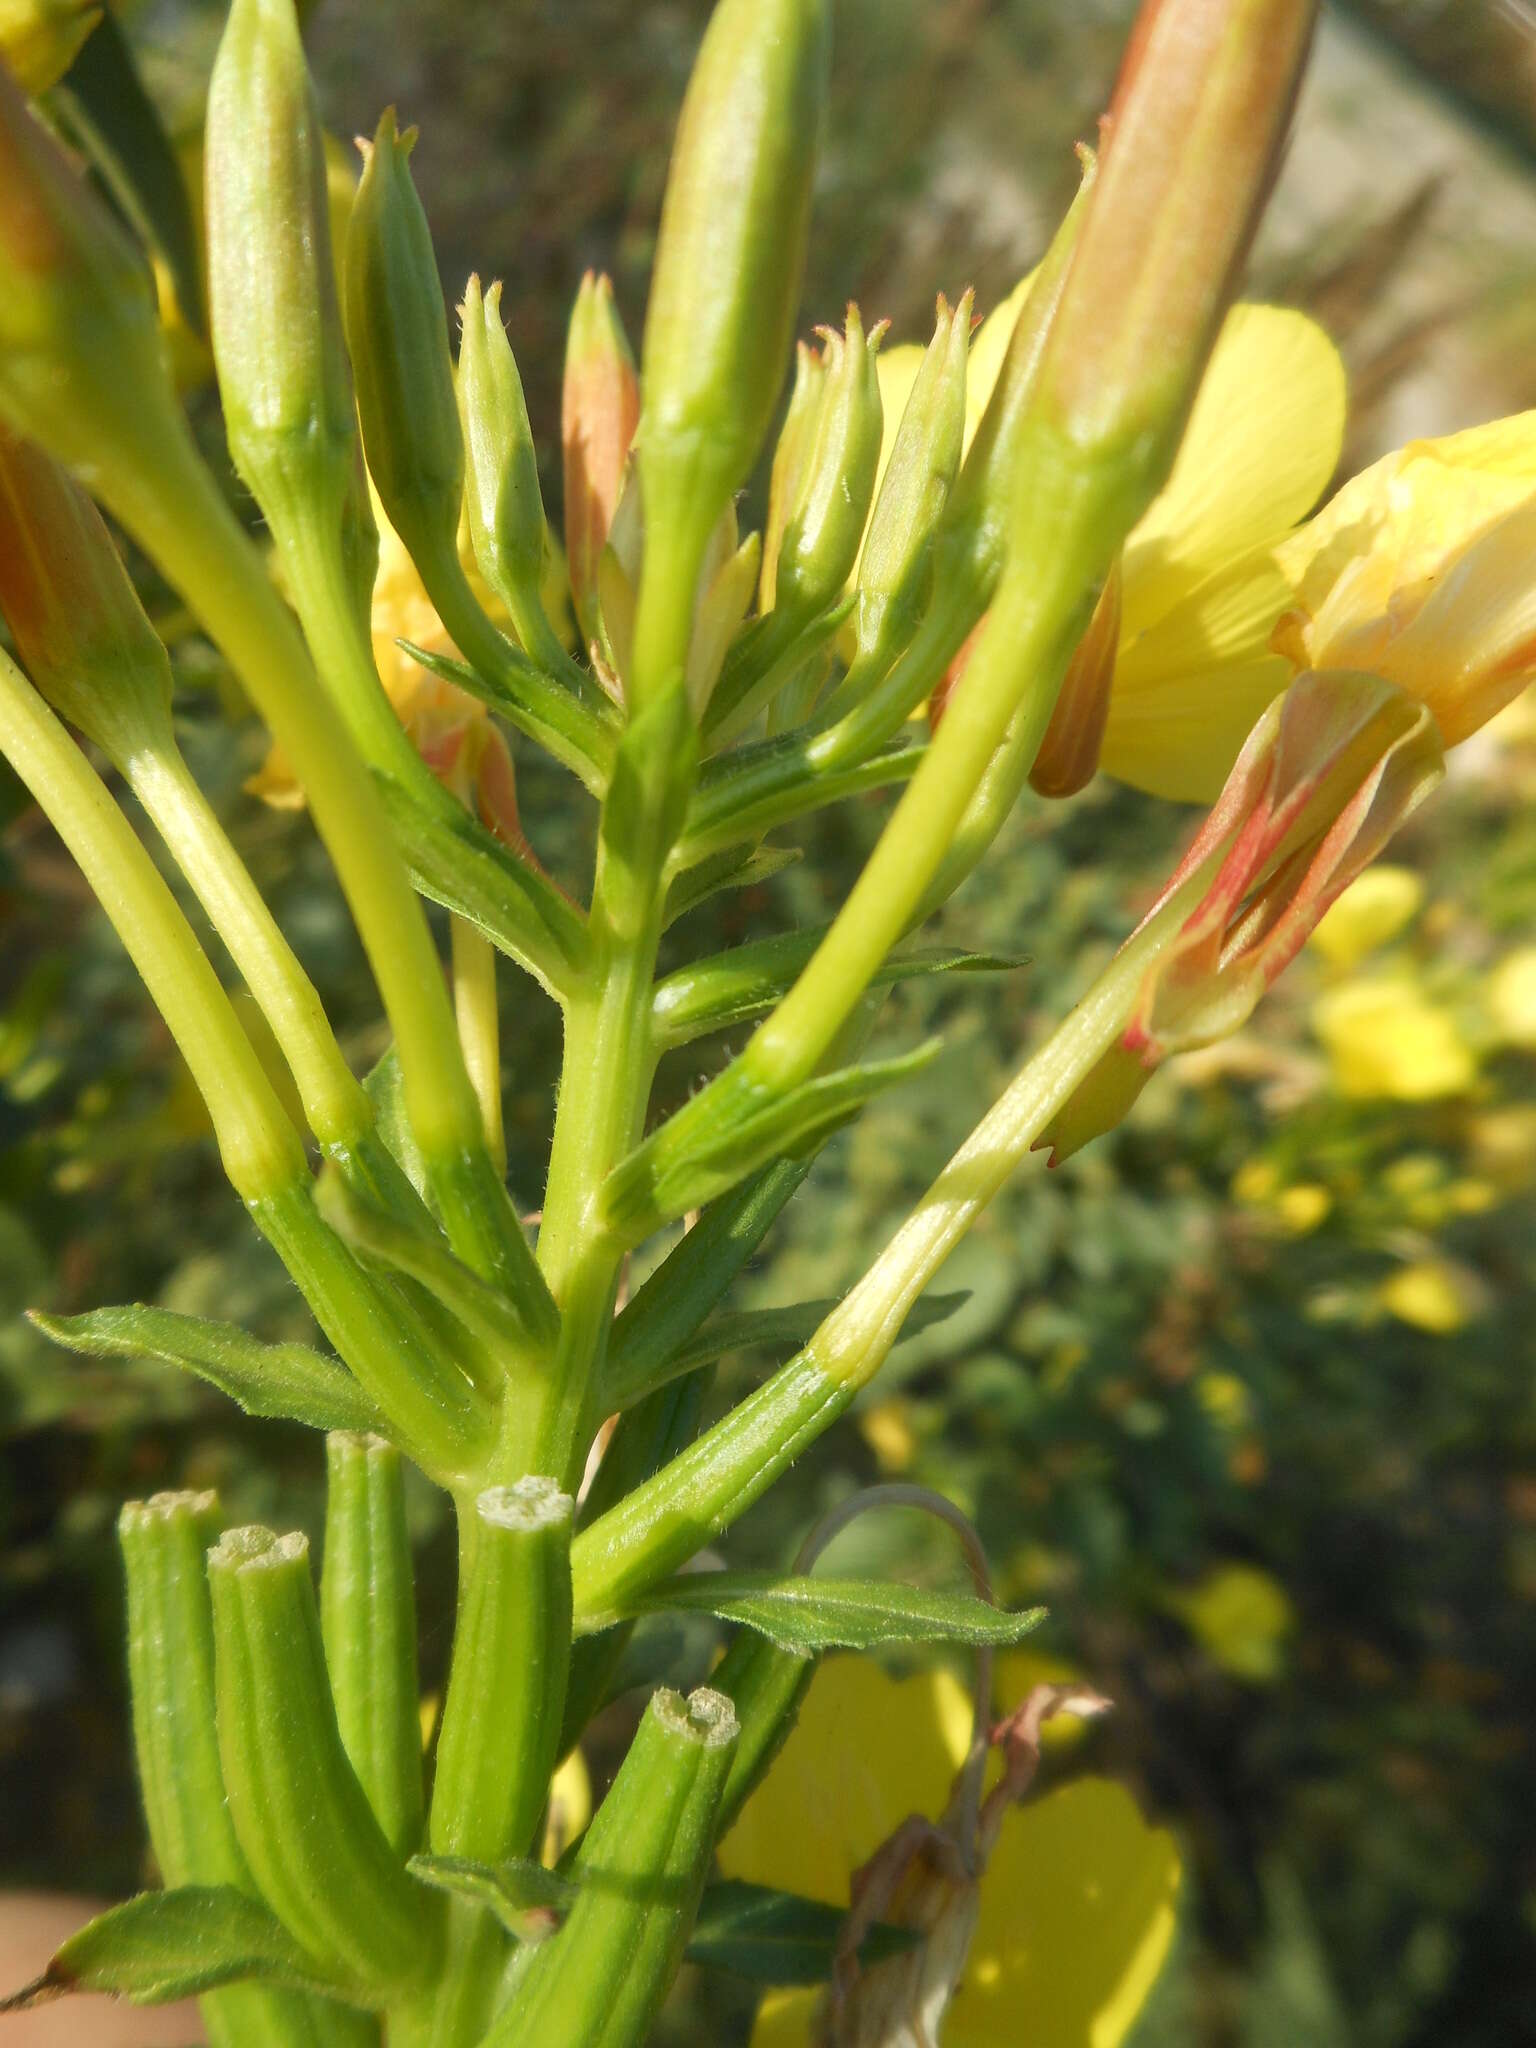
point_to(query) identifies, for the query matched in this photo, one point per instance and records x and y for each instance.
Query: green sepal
(577, 730)
(163, 1946)
(119, 125)
(701, 1153)
(456, 862)
(525, 1898)
(368, 1626)
(764, 656)
(805, 1614)
(281, 1382)
(640, 1870)
(820, 543)
(499, 1741)
(733, 867)
(303, 1820)
(742, 795)
(713, 994)
(774, 1937)
(757, 1329)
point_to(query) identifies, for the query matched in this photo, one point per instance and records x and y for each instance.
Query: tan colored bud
(599, 409)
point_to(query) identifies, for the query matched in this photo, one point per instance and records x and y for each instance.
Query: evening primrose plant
(1079, 535)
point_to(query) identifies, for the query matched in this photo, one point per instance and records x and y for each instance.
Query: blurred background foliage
(1242, 1394)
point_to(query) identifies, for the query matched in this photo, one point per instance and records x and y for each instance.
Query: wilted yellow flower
(1386, 1039)
(1074, 1914)
(1241, 1617)
(1370, 913)
(1432, 1295)
(1200, 590)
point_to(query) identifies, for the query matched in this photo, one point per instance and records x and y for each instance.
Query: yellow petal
(1370, 913)
(867, 1751)
(1261, 444)
(1241, 1617)
(784, 2020)
(1077, 1917)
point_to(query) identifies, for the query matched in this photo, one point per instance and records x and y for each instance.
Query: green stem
(257, 1143)
(338, 1111)
(662, 1524)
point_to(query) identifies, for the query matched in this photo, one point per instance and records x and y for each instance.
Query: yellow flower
(1430, 1295)
(1241, 1618)
(1200, 589)
(1512, 998)
(1370, 913)
(1420, 571)
(1074, 1914)
(1387, 1040)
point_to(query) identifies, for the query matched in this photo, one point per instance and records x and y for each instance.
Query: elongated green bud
(79, 327)
(728, 266)
(791, 455)
(276, 325)
(506, 510)
(397, 332)
(599, 410)
(301, 1816)
(821, 539)
(599, 1982)
(73, 612)
(170, 1670)
(506, 1693)
(368, 1625)
(39, 38)
(895, 570)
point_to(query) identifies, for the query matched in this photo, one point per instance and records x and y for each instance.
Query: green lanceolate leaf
(285, 1382)
(742, 795)
(803, 1613)
(713, 994)
(737, 867)
(168, 1945)
(579, 732)
(753, 1329)
(678, 1169)
(774, 1937)
(527, 1899)
(456, 862)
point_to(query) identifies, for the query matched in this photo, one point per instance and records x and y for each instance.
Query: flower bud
(1193, 141)
(599, 408)
(276, 326)
(1328, 774)
(790, 456)
(39, 38)
(924, 459)
(73, 612)
(729, 260)
(504, 507)
(1069, 753)
(80, 343)
(397, 332)
(821, 539)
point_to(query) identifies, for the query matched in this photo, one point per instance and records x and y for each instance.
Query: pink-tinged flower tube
(1330, 771)
(599, 411)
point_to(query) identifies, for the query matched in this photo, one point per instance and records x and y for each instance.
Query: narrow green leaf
(736, 867)
(162, 1946)
(456, 862)
(754, 1328)
(526, 1898)
(730, 987)
(774, 1937)
(285, 1382)
(581, 734)
(806, 1614)
(744, 794)
(386, 1091)
(118, 122)
(681, 1167)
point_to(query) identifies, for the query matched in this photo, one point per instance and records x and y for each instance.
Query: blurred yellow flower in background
(1511, 999)
(1075, 1912)
(1432, 1295)
(1241, 1617)
(1373, 910)
(1386, 1039)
